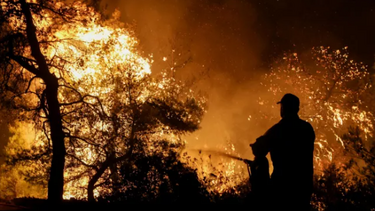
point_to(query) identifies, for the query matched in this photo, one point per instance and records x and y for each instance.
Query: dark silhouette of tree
(110, 106)
(24, 62)
(349, 186)
(159, 177)
(140, 124)
(362, 153)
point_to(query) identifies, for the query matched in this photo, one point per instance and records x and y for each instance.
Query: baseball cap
(289, 100)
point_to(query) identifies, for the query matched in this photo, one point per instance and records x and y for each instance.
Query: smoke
(229, 44)
(234, 43)
(223, 51)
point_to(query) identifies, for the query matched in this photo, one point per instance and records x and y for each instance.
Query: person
(290, 143)
(259, 181)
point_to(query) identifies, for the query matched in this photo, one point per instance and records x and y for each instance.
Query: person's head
(289, 105)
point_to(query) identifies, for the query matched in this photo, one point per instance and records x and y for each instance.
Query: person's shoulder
(274, 128)
(306, 124)
(303, 121)
(276, 125)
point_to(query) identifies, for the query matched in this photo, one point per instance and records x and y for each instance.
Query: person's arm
(262, 145)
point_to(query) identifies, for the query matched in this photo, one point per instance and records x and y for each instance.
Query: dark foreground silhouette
(290, 143)
(331, 190)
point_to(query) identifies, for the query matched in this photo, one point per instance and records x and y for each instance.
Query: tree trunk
(56, 180)
(95, 178)
(112, 154)
(111, 160)
(114, 173)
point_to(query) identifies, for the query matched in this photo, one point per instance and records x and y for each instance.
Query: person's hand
(248, 162)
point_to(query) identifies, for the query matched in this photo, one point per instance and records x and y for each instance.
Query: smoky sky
(304, 24)
(265, 28)
(237, 40)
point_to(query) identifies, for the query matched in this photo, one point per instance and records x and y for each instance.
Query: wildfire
(103, 83)
(94, 51)
(330, 92)
(98, 66)
(216, 169)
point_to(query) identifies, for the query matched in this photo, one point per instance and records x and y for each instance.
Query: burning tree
(80, 80)
(332, 88)
(141, 112)
(349, 186)
(24, 63)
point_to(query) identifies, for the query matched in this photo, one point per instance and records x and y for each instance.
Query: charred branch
(82, 162)
(24, 62)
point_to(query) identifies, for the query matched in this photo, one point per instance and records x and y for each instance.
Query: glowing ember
(330, 93)
(104, 86)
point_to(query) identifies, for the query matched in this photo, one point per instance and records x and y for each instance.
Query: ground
(4, 206)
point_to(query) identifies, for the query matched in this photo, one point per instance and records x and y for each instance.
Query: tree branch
(25, 64)
(43, 70)
(30, 81)
(82, 139)
(82, 162)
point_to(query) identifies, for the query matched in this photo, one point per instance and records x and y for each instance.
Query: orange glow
(99, 59)
(91, 54)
